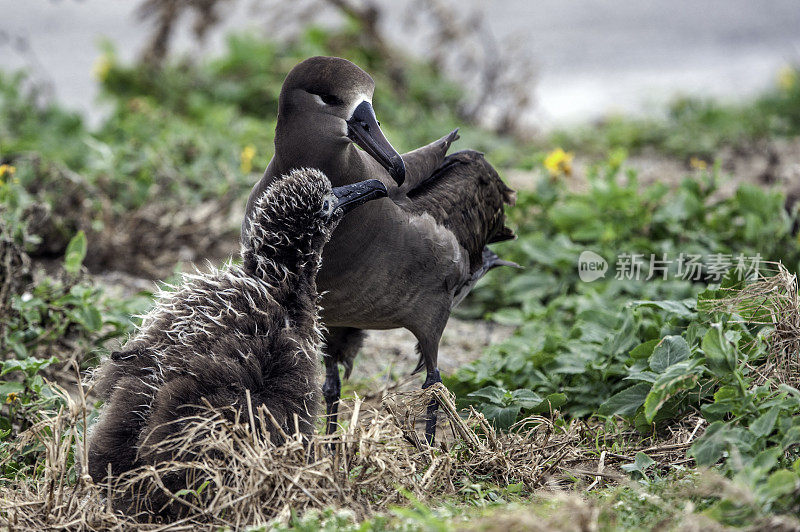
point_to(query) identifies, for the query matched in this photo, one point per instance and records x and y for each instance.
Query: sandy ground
(392, 354)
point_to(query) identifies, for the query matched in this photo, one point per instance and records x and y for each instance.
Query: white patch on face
(318, 99)
(358, 100)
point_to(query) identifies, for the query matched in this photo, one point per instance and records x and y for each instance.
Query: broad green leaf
(551, 402)
(765, 461)
(670, 350)
(726, 399)
(91, 318)
(680, 376)
(626, 402)
(502, 416)
(646, 376)
(9, 387)
(556, 400)
(624, 339)
(526, 398)
(763, 425)
(794, 392)
(792, 437)
(676, 307)
(29, 365)
(76, 252)
(730, 511)
(570, 215)
(644, 350)
(720, 356)
(641, 463)
(708, 449)
(719, 437)
(780, 483)
(492, 394)
(517, 487)
(509, 316)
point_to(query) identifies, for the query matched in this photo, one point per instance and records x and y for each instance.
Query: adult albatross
(402, 261)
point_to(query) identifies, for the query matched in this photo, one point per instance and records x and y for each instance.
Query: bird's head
(293, 219)
(328, 101)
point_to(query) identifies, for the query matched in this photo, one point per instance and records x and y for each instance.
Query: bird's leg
(428, 348)
(331, 390)
(433, 407)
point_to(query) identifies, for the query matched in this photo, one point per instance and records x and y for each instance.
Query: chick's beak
(363, 129)
(349, 197)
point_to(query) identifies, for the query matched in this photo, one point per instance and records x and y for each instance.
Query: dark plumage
(404, 261)
(220, 334)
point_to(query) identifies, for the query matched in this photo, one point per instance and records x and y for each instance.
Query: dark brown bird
(403, 261)
(250, 328)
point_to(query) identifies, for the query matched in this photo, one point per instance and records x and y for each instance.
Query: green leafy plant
(575, 337)
(48, 321)
(503, 407)
(640, 465)
(25, 395)
(66, 315)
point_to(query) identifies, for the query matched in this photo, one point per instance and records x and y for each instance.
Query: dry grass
(239, 478)
(773, 301)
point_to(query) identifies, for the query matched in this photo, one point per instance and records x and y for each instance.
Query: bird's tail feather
(491, 260)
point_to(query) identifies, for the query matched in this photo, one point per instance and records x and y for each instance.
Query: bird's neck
(286, 262)
(340, 160)
(286, 282)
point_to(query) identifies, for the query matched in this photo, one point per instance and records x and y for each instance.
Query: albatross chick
(219, 336)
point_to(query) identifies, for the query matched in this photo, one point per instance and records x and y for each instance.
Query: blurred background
(590, 58)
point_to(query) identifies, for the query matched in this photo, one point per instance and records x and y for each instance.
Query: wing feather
(466, 195)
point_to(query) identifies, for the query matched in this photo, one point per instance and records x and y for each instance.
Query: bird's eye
(327, 99)
(326, 206)
(330, 99)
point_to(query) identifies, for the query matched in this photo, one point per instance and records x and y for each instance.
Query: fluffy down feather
(219, 334)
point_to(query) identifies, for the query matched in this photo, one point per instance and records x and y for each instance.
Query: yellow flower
(787, 78)
(11, 397)
(248, 153)
(559, 162)
(101, 67)
(7, 169)
(698, 164)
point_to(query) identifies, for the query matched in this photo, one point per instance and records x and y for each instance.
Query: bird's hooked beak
(349, 197)
(363, 129)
